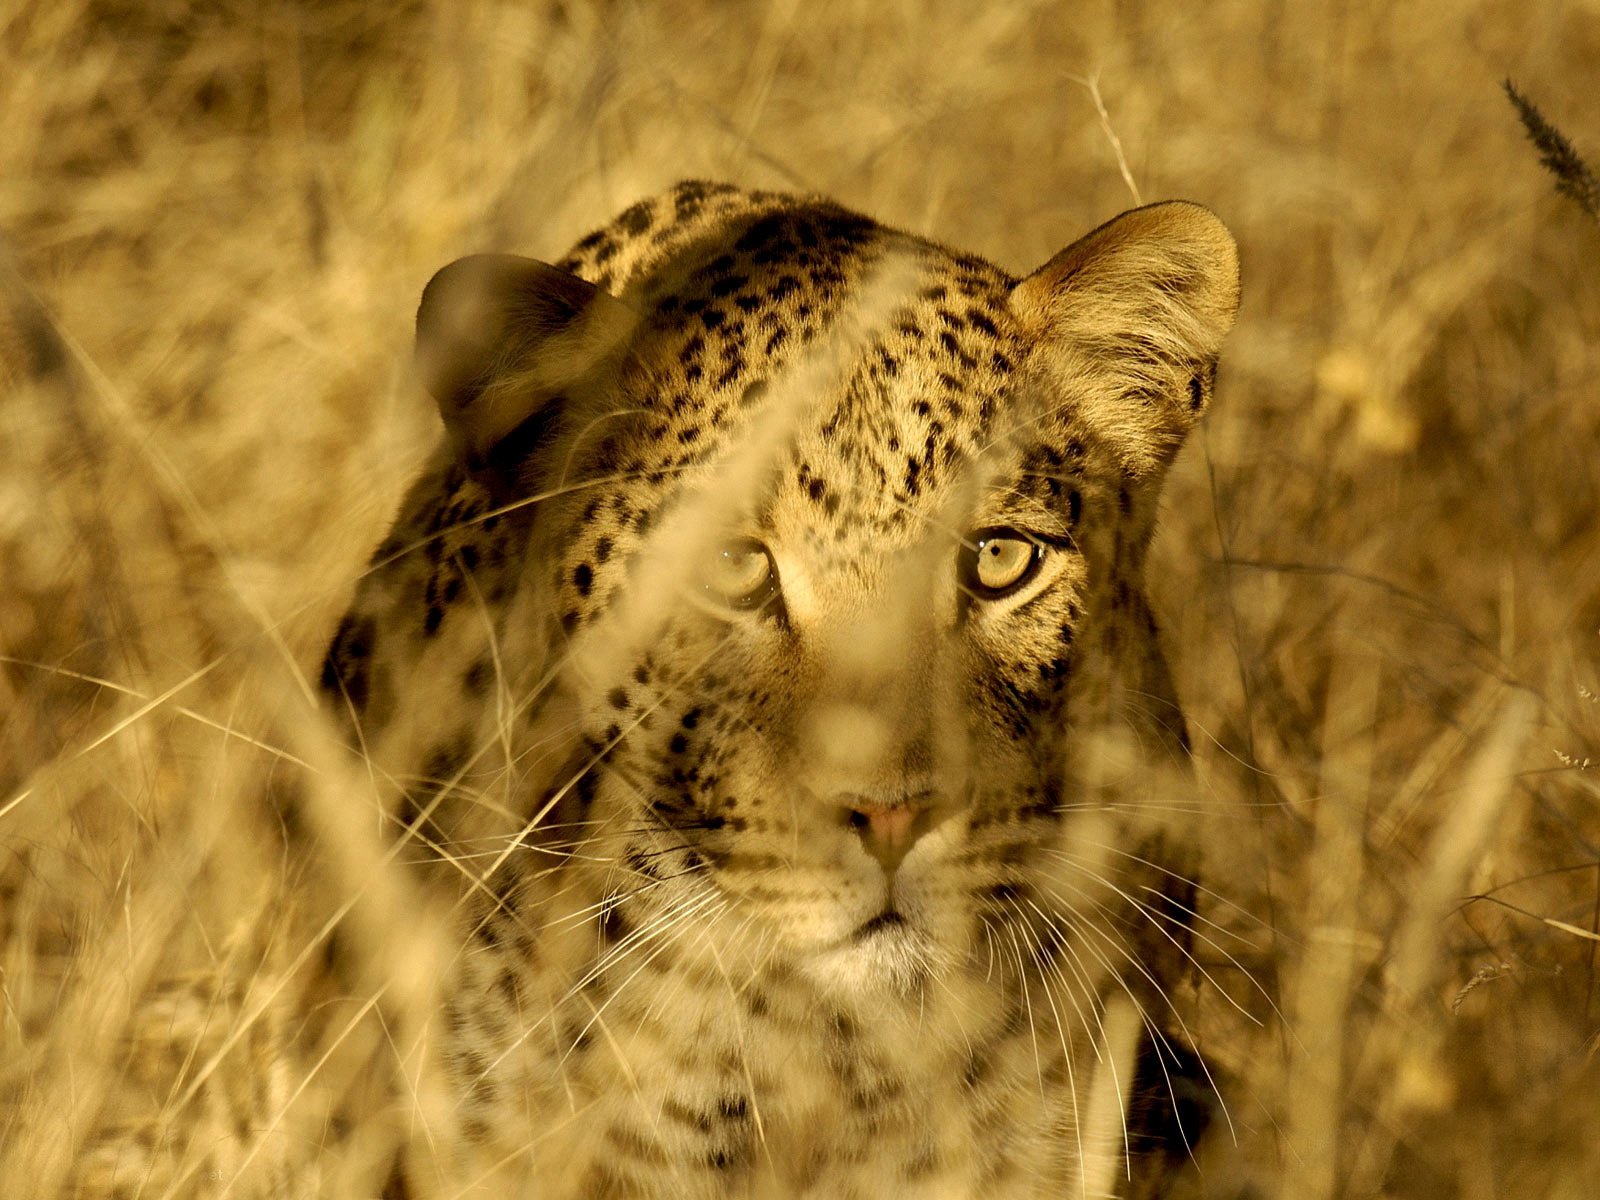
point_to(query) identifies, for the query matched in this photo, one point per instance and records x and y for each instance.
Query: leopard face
(775, 601)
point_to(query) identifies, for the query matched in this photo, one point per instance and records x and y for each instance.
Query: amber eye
(999, 561)
(739, 573)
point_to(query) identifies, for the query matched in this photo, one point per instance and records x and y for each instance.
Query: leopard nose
(889, 830)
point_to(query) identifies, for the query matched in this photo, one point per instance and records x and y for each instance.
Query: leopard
(764, 662)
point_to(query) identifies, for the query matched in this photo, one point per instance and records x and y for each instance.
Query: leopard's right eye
(739, 573)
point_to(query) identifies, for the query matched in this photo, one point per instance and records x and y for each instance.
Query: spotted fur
(868, 884)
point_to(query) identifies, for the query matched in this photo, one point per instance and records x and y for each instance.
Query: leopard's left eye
(997, 562)
(739, 573)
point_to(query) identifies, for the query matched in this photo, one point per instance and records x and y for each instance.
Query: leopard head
(824, 587)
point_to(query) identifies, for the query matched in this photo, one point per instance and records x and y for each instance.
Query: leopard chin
(888, 954)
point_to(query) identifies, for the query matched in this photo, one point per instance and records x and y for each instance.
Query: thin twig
(1092, 86)
(1574, 179)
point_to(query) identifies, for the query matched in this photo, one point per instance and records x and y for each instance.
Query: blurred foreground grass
(1379, 570)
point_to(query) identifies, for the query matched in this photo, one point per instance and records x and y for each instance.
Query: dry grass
(1379, 571)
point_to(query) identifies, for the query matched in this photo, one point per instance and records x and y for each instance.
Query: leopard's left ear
(1129, 320)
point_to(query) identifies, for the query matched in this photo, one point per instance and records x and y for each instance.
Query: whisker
(1159, 920)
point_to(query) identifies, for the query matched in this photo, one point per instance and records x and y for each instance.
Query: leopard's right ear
(1134, 313)
(502, 339)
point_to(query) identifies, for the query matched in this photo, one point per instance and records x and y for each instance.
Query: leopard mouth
(887, 920)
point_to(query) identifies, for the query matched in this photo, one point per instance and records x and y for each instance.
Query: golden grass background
(1379, 568)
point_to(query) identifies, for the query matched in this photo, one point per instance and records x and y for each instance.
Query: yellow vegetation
(1379, 570)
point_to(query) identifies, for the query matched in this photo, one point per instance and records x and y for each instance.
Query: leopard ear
(1129, 320)
(501, 339)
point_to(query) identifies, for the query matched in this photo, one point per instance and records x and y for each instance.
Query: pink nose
(889, 831)
(889, 825)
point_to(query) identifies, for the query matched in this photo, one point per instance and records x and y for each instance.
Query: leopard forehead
(888, 404)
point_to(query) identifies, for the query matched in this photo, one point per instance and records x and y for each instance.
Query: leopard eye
(997, 562)
(740, 573)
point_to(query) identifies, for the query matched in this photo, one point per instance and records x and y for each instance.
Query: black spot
(1074, 506)
(602, 549)
(433, 619)
(685, 1115)
(582, 578)
(618, 698)
(686, 205)
(1197, 396)
(636, 219)
(614, 924)
(691, 718)
(346, 669)
(978, 321)
(782, 288)
(678, 744)
(445, 761)
(760, 233)
(478, 677)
